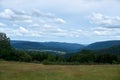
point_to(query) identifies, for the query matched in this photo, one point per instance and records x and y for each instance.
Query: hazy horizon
(78, 21)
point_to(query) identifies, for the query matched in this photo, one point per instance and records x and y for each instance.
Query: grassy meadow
(32, 71)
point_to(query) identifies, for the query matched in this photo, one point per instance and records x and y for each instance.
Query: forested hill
(57, 46)
(112, 50)
(102, 45)
(61, 46)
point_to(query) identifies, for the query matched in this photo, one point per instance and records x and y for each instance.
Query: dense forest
(7, 52)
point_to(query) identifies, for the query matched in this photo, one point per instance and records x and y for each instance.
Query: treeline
(82, 57)
(90, 57)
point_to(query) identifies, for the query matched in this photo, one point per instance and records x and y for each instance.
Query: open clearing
(32, 71)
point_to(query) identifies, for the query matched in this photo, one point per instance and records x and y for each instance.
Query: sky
(72, 21)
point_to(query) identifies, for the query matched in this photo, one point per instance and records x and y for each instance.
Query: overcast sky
(74, 21)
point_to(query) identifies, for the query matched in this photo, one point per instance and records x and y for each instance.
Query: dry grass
(31, 71)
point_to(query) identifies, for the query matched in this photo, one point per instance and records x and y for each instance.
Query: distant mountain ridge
(56, 46)
(62, 46)
(102, 45)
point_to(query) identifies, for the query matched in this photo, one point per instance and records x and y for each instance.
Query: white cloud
(51, 28)
(60, 21)
(38, 13)
(23, 30)
(31, 16)
(11, 15)
(6, 14)
(54, 21)
(22, 18)
(45, 23)
(73, 33)
(105, 25)
(50, 17)
(103, 31)
(105, 21)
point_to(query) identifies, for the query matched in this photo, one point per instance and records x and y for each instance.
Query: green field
(31, 71)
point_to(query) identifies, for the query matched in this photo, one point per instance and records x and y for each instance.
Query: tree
(23, 56)
(4, 42)
(85, 56)
(106, 58)
(5, 48)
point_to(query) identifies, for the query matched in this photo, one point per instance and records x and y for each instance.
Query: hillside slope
(102, 45)
(112, 50)
(57, 46)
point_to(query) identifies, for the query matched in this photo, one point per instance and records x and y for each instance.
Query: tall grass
(32, 71)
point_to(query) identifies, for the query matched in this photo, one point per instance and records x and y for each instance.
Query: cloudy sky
(74, 21)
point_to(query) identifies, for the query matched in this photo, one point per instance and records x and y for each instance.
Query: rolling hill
(55, 46)
(112, 50)
(102, 45)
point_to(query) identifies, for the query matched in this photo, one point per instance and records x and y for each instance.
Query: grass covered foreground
(32, 71)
